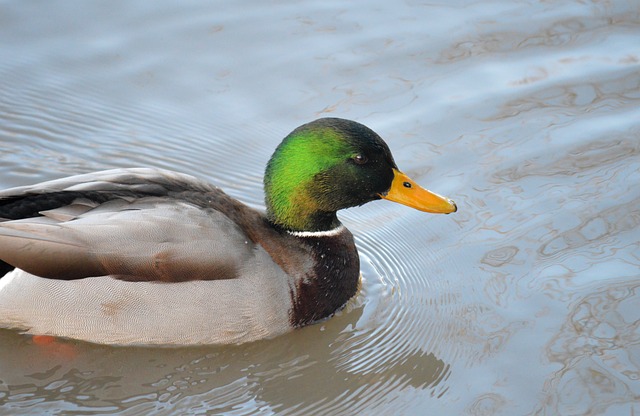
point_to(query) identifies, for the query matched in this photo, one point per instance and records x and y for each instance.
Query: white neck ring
(327, 233)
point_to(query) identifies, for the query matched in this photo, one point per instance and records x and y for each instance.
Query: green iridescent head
(322, 167)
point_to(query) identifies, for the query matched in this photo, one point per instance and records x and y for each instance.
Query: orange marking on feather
(53, 347)
(43, 339)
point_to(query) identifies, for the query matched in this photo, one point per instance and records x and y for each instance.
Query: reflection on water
(251, 377)
(525, 301)
(597, 348)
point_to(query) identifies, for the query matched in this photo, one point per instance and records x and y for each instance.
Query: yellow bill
(406, 192)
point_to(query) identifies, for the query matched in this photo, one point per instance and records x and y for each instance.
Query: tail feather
(5, 268)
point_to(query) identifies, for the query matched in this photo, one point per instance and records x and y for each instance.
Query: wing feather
(137, 230)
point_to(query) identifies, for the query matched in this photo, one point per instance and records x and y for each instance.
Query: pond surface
(526, 113)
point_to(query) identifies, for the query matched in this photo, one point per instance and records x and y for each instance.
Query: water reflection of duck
(147, 256)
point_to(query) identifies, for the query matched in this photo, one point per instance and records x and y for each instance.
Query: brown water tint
(524, 302)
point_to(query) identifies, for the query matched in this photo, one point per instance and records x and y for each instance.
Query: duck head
(331, 164)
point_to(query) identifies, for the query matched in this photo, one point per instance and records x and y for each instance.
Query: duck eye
(360, 159)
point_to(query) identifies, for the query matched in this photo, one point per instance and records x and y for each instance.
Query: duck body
(154, 257)
(217, 271)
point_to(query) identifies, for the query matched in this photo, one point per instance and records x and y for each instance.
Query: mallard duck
(149, 256)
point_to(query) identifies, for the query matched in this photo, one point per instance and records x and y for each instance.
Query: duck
(146, 256)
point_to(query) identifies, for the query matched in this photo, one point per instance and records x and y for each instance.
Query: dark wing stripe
(31, 205)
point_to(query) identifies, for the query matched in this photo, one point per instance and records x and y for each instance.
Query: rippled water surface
(527, 113)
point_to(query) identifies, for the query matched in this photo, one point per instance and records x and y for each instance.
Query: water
(526, 113)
